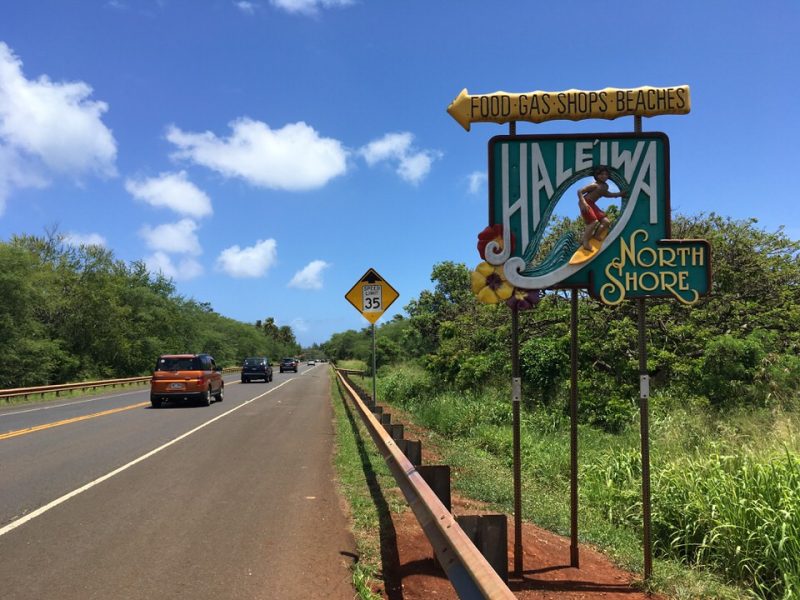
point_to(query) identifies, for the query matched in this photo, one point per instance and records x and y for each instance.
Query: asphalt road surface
(107, 498)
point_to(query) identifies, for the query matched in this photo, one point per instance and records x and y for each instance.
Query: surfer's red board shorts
(591, 213)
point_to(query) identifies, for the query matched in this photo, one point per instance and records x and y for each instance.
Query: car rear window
(166, 363)
(253, 361)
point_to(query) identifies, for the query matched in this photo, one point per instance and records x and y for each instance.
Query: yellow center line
(11, 434)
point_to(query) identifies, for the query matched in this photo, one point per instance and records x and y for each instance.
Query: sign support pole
(644, 394)
(374, 362)
(574, 557)
(516, 398)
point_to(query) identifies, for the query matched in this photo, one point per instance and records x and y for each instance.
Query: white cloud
(299, 325)
(174, 191)
(179, 238)
(253, 261)
(415, 167)
(310, 276)
(390, 146)
(476, 181)
(412, 165)
(247, 8)
(308, 7)
(187, 268)
(292, 158)
(49, 128)
(16, 173)
(84, 239)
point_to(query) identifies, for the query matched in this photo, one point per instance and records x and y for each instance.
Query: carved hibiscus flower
(489, 284)
(493, 233)
(524, 299)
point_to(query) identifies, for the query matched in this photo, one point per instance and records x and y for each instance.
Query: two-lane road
(235, 500)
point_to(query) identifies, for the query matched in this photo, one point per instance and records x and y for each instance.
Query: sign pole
(574, 557)
(644, 394)
(516, 398)
(374, 362)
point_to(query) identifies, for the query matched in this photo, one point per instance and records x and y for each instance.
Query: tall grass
(737, 513)
(725, 496)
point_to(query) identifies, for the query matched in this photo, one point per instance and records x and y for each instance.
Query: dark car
(256, 367)
(289, 364)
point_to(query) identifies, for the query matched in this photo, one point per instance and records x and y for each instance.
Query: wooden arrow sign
(573, 105)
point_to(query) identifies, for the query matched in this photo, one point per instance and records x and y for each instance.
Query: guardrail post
(396, 431)
(386, 421)
(438, 479)
(412, 449)
(489, 533)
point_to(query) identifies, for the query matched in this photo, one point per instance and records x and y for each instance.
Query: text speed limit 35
(371, 296)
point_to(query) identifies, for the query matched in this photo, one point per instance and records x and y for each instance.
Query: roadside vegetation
(72, 314)
(362, 478)
(724, 412)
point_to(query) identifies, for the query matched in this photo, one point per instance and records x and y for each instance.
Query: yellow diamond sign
(371, 296)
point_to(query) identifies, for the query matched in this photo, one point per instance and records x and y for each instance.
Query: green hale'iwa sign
(631, 257)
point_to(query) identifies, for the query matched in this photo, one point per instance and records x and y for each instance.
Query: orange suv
(186, 377)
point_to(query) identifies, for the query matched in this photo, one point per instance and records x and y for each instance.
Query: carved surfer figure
(595, 220)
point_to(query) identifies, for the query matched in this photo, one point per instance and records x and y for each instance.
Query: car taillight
(201, 380)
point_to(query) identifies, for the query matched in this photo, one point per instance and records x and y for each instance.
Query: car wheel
(220, 394)
(205, 399)
(244, 380)
(156, 402)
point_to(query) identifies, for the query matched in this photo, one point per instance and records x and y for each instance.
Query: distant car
(311, 363)
(186, 377)
(256, 367)
(289, 364)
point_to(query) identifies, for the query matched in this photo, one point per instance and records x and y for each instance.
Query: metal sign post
(574, 555)
(644, 410)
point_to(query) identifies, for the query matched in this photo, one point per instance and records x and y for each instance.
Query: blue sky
(267, 153)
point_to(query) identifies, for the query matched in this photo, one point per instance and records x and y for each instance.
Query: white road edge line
(43, 509)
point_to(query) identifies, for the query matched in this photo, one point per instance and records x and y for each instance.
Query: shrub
(605, 406)
(544, 363)
(728, 369)
(474, 371)
(404, 385)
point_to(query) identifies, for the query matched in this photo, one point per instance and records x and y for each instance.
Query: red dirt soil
(546, 571)
(411, 574)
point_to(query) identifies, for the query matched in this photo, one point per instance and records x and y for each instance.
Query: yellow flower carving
(489, 284)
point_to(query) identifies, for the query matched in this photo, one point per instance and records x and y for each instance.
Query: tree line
(77, 313)
(740, 345)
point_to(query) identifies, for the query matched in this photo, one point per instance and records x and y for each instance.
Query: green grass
(369, 489)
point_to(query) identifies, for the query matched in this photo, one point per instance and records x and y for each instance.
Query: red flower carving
(493, 233)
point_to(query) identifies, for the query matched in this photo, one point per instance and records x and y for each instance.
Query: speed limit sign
(371, 296)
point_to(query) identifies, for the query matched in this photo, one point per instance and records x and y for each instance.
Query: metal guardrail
(84, 385)
(469, 572)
